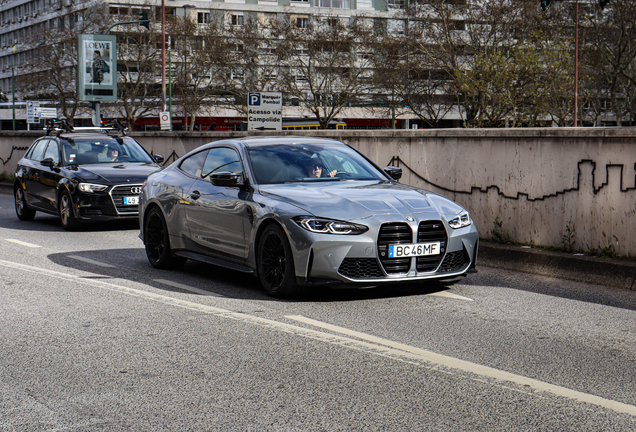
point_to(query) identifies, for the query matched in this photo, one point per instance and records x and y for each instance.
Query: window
(395, 4)
(37, 151)
(364, 4)
(335, 4)
(236, 20)
(221, 159)
(194, 164)
(302, 22)
(53, 152)
(203, 17)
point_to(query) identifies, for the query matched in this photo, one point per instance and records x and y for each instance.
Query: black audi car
(82, 174)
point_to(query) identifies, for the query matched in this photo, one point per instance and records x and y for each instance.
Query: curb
(611, 272)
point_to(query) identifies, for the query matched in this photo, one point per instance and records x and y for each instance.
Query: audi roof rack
(58, 125)
(62, 125)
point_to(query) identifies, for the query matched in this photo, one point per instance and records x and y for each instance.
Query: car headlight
(91, 188)
(460, 221)
(329, 226)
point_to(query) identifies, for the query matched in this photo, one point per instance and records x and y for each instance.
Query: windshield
(289, 163)
(102, 150)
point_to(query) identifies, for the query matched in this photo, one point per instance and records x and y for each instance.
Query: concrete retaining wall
(537, 186)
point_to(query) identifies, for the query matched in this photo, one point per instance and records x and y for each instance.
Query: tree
(408, 76)
(138, 65)
(608, 56)
(250, 64)
(51, 72)
(202, 57)
(320, 66)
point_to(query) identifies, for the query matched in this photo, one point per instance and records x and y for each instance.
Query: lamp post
(13, 91)
(163, 54)
(576, 64)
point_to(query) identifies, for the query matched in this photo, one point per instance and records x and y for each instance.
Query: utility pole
(602, 3)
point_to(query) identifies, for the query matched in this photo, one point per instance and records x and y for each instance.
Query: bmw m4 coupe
(302, 212)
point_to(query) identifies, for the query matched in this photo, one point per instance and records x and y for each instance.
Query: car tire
(67, 215)
(22, 209)
(276, 263)
(157, 241)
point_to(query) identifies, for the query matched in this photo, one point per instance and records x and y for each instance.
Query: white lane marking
(474, 368)
(381, 347)
(187, 288)
(450, 295)
(90, 261)
(31, 245)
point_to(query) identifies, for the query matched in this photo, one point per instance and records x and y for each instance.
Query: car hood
(123, 173)
(359, 200)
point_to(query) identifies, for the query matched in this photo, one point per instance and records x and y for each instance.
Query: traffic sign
(30, 112)
(45, 112)
(265, 111)
(166, 124)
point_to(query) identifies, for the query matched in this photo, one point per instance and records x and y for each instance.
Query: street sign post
(30, 112)
(265, 111)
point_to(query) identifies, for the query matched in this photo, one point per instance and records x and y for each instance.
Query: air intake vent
(394, 233)
(455, 261)
(360, 268)
(428, 232)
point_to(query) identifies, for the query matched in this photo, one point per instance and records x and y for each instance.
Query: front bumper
(323, 259)
(108, 205)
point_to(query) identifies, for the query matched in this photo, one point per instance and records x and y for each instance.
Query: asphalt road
(93, 338)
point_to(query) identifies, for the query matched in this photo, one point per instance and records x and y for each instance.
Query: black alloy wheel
(67, 216)
(22, 209)
(157, 240)
(276, 263)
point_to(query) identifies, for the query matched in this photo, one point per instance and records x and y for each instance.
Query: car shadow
(50, 223)
(132, 265)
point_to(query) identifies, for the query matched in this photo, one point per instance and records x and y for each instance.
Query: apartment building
(22, 20)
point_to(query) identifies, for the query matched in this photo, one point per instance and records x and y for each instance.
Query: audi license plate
(132, 200)
(414, 250)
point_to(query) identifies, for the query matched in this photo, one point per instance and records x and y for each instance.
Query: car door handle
(195, 195)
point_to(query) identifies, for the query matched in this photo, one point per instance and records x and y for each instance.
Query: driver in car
(113, 153)
(314, 169)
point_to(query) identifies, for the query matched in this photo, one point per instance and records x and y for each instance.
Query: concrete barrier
(543, 186)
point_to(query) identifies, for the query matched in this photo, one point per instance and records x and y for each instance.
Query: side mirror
(158, 158)
(48, 162)
(227, 178)
(394, 172)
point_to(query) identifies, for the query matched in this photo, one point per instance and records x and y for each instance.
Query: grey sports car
(299, 212)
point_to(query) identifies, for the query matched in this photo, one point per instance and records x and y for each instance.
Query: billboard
(97, 68)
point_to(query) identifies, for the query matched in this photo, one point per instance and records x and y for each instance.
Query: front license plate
(414, 250)
(133, 200)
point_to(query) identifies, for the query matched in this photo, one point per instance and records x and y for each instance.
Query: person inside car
(314, 169)
(113, 153)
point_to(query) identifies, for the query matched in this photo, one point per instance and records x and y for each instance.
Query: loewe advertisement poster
(97, 68)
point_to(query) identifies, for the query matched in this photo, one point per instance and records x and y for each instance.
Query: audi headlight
(329, 226)
(460, 221)
(92, 188)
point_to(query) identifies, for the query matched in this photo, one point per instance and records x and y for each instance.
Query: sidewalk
(612, 272)
(601, 271)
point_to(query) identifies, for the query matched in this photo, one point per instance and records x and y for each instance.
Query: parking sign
(265, 111)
